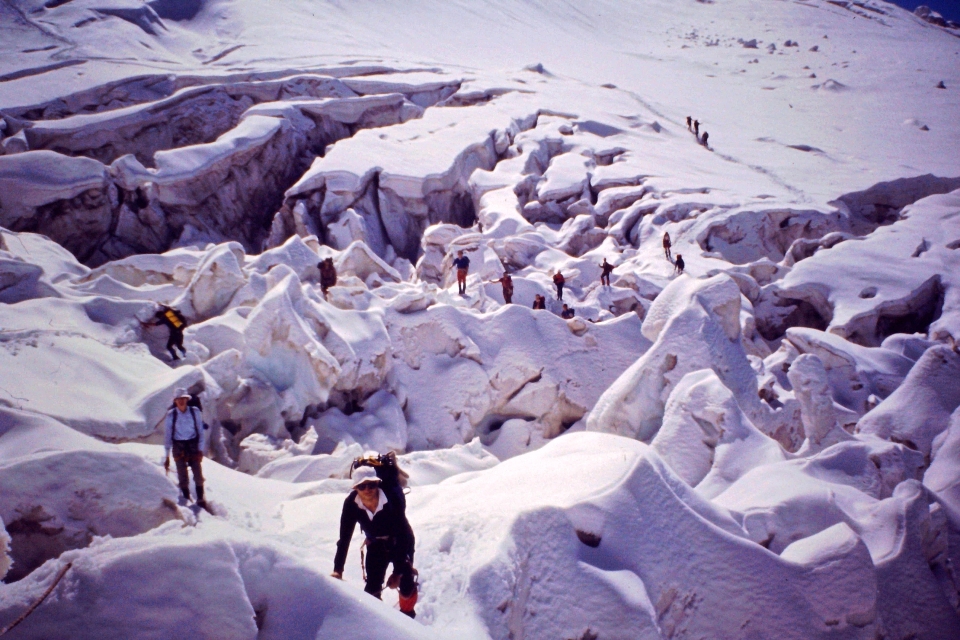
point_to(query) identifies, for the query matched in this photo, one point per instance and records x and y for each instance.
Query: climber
(689, 122)
(703, 139)
(558, 281)
(328, 275)
(696, 128)
(539, 302)
(186, 434)
(678, 265)
(566, 313)
(389, 539)
(666, 246)
(462, 263)
(175, 322)
(606, 270)
(507, 283)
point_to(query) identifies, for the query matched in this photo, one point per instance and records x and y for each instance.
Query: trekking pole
(36, 604)
(363, 565)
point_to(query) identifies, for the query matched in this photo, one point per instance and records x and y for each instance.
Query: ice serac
(910, 287)
(307, 468)
(192, 115)
(799, 501)
(216, 280)
(854, 373)
(943, 475)
(405, 178)
(811, 387)
(462, 377)
(70, 200)
(695, 324)
(208, 163)
(279, 343)
(919, 410)
(208, 177)
(706, 439)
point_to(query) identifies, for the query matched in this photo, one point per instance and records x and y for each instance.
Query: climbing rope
(36, 604)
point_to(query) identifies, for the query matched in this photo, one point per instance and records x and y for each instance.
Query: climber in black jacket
(389, 538)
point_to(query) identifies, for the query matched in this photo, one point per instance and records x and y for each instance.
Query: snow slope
(765, 445)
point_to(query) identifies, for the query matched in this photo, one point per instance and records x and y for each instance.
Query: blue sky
(949, 9)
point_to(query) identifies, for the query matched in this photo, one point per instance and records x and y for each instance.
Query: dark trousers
(175, 340)
(186, 453)
(559, 290)
(605, 279)
(381, 553)
(508, 296)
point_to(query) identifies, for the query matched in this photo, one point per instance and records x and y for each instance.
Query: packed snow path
(766, 445)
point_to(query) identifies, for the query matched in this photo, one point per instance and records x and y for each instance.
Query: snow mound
(582, 530)
(109, 494)
(186, 582)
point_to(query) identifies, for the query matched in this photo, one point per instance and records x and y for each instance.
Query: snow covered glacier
(766, 445)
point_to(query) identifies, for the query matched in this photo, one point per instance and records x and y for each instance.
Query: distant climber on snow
(186, 434)
(389, 538)
(558, 281)
(696, 127)
(703, 139)
(689, 122)
(539, 302)
(678, 265)
(328, 275)
(666, 246)
(462, 263)
(507, 283)
(566, 313)
(176, 323)
(606, 270)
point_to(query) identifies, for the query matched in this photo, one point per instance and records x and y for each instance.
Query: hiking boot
(411, 613)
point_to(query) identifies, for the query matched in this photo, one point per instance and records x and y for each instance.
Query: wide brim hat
(181, 393)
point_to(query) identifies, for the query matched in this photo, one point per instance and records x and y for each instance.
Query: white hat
(181, 393)
(364, 474)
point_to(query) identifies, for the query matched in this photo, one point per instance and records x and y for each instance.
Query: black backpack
(393, 479)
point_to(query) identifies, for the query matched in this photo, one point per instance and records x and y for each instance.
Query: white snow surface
(764, 446)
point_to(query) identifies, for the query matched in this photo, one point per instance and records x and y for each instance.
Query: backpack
(174, 318)
(191, 407)
(393, 479)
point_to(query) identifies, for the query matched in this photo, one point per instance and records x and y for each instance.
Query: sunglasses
(368, 486)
